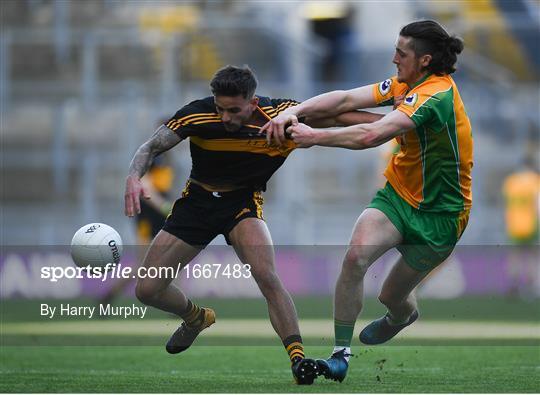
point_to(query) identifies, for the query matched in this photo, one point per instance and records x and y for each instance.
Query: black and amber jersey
(221, 158)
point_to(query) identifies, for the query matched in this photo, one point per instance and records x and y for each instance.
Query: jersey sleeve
(281, 105)
(428, 106)
(384, 92)
(182, 123)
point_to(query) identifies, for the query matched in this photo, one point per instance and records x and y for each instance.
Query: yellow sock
(295, 348)
(193, 315)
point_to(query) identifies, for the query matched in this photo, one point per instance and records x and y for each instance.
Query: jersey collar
(425, 77)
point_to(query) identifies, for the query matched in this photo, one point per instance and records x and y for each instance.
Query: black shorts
(199, 215)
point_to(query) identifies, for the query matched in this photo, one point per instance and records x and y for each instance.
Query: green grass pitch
(79, 360)
(265, 369)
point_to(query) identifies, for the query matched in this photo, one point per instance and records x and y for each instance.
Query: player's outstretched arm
(162, 140)
(327, 105)
(351, 118)
(345, 119)
(355, 137)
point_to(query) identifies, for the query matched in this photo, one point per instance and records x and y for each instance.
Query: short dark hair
(234, 81)
(430, 38)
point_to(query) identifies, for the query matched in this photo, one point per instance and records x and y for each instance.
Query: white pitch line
(262, 328)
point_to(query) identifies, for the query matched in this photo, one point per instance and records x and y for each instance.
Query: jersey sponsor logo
(411, 99)
(384, 87)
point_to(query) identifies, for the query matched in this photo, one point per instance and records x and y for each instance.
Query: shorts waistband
(199, 190)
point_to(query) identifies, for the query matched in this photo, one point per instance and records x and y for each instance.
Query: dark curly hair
(234, 81)
(430, 38)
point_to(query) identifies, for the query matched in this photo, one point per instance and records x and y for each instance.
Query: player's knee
(356, 262)
(144, 292)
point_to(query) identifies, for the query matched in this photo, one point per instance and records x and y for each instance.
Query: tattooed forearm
(162, 140)
(141, 161)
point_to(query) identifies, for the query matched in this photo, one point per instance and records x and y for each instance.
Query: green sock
(343, 332)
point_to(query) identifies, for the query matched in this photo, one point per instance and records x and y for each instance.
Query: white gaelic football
(96, 245)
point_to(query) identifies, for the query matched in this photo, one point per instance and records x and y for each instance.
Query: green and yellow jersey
(161, 175)
(432, 170)
(521, 191)
(221, 158)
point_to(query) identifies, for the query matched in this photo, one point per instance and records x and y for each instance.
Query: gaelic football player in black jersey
(232, 163)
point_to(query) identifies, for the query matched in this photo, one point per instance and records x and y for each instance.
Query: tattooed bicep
(163, 139)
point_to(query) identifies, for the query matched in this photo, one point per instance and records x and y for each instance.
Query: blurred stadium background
(84, 83)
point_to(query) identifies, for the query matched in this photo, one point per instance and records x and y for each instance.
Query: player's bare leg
(397, 291)
(168, 251)
(372, 236)
(397, 295)
(253, 244)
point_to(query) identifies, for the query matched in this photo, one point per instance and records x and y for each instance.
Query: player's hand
(275, 129)
(302, 135)
(398, 100)
(132, 195)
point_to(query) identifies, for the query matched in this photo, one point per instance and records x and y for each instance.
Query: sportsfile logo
(109, 271)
